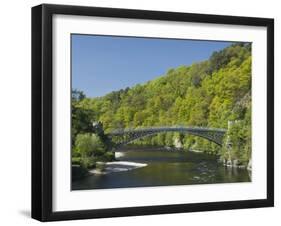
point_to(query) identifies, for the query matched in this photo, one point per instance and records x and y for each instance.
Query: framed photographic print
(145, 112)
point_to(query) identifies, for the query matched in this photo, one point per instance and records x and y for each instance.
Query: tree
(82, 114)
(89, 145)
(77, 95)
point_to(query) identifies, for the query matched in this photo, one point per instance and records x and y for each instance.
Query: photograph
(149, 111)
(139, 112)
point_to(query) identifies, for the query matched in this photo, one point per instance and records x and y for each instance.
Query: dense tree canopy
(209, 93)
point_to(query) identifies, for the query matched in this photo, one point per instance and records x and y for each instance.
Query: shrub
(89, 145)
(88, 162)
(76, 161)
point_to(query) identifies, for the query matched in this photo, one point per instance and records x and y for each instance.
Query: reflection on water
(165, 168)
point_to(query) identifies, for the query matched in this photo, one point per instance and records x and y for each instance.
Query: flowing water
(164, 168)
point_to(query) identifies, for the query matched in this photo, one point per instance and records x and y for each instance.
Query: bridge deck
(126, 136)
(168, 129)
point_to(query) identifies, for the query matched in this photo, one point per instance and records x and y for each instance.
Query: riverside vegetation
(211, 93)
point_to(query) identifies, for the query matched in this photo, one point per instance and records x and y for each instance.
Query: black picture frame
(42, 111)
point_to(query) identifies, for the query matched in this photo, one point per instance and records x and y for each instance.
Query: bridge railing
(167, 128)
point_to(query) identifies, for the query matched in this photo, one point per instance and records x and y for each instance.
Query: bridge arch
(127, 136)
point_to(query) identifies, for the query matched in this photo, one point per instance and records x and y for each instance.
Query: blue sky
(101, 64)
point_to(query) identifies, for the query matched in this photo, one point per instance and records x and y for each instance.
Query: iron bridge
(126, 136)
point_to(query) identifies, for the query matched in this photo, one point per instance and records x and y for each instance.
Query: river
(161, 167)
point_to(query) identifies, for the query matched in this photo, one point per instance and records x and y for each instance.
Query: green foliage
(237, 52)
(107, 157)
(240, 140)
(89, 145)
(209, 94)
(77, 95)
(88, 162)
(76, 160)
(88, 148)
(82, 115)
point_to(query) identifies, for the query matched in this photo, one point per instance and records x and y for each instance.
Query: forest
(212, 93)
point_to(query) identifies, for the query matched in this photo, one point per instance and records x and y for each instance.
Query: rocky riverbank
(236, 164)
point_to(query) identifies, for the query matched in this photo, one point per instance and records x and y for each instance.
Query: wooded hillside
(209, 94)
